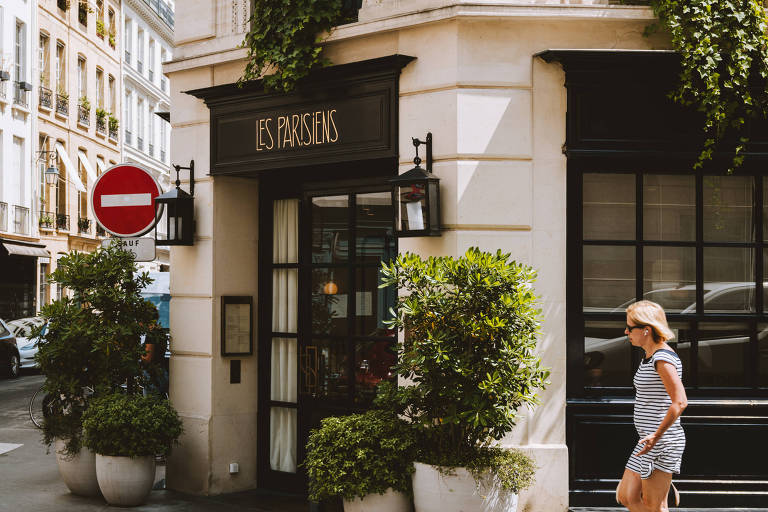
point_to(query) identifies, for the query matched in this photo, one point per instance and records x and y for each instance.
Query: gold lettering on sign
(297, 130)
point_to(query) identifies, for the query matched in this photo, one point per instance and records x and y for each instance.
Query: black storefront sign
(340, 114)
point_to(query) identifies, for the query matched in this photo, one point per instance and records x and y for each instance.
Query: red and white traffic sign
(123, 200)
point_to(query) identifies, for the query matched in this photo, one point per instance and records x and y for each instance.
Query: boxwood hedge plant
(124, 425)
(470, 327)
(360, 454)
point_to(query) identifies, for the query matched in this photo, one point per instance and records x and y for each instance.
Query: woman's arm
(676, 392)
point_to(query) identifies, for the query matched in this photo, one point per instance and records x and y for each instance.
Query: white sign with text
(143, 249)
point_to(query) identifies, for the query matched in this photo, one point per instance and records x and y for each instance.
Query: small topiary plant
(360, 454)
(122, 425)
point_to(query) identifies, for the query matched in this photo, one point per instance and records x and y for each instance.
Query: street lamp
(52, 172)
(180, 211)
(416, 197)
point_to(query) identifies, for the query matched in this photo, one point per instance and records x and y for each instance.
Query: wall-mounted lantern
(416, 197)
(51, 172)
(180, 211)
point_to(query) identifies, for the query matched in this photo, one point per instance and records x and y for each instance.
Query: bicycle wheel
(39, 407)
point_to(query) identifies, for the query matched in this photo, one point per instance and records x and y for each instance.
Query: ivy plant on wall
(724, 58)
(284, 39)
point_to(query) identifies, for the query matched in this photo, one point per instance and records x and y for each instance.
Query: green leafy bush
(360, 454)
(92, 344)
(125, 425)
(470, 332)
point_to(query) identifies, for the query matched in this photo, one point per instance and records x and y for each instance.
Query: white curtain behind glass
(282, 430)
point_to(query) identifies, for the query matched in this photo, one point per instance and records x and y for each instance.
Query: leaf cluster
(470, 336)
(284, 40)
(124, 425)
(92, 343)
(360, 454)
(724, 57)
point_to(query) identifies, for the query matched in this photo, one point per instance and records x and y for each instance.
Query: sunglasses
(630, 327)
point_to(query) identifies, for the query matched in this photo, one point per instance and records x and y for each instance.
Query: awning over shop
(19, 249)
(100, 165)
(71, 169)
(88, 169)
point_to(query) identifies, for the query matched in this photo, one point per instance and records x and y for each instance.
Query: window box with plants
(62, 221)
(364, 459)
(112, 37)
(62, 102)
(470, 325)
(114, 124)
(84, 111)
(91, 347)
(101, 121)
(83, 225)
(46, 220)
(101, 30)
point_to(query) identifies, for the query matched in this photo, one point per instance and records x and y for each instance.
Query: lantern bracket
(191, 169)
(428, 143)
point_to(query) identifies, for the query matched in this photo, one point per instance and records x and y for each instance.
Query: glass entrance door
(328, 346)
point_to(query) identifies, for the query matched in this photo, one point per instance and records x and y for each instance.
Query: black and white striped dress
(651, 405)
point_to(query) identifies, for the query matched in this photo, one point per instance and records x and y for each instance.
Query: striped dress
(651, 405)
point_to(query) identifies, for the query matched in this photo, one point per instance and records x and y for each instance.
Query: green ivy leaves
(724, 50)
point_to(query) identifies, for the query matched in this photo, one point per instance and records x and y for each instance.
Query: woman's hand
(649, 441)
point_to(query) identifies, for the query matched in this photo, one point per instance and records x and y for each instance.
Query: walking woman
(659, 401)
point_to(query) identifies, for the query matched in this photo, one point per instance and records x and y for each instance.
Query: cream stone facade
(78, 66)
(497, 113)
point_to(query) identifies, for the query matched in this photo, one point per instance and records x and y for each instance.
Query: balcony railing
(83, 115)
(3, 90)
(162, 155)
(20, 95)
(101, 125)
(83, 225)
(113, 133)
(140, 143)
(62, 221)
(151, 75)
(3, 216)
(139, 66)
(100, 230)
(127, 56)
(46, 97)
(163, 84)
(21, 220)
(162, 9)
(47, 220)
(128, 137)
(62, 104)
(151, 149)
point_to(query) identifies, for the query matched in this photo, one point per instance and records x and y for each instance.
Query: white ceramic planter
(124, 481)
(79, 471)
(390, 501)
(458, 492)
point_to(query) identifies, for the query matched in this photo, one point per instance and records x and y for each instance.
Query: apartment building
(19, 249)
(77, 67)
(148, 42)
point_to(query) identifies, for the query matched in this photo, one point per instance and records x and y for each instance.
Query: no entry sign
(123, 200)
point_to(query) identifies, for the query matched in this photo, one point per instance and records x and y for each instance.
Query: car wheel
(14, 366)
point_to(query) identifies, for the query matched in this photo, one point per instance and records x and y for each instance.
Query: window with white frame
(140, 51)
(44, 58)
(151, 119)
(82, 83)
(112, 96)
(140, 124)
(128, 40)
(99, 88)
(163, 143)
(20, 50)
(128, 116)
(151, 61)
(61, 85)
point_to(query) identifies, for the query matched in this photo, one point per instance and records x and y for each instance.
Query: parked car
(22, 328)
(9, 353)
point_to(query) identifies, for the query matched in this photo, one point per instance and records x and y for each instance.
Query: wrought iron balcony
(83, 115)
(3, 216)
(140, 143)
(20, 95)
(163, 83)
(62, 104)
(139, 66)
(127, 56)
(21, 220)
(113, 133)
(151, 149)
(101, 125)
(151, 75)
(83, 225)
(128, 137)
(162, 155)
(47, 220)
(162, 9)
(46, 97)
(100, 230)
(62, 222)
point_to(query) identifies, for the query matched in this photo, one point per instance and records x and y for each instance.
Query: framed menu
(236, 325)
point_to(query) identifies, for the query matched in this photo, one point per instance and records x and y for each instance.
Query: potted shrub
(101, 114)
(91, 346)
(470, 333)
(113, 124)
(127, 431)
(85, 103)
(365, 459)
(112, 35)
(100, 28)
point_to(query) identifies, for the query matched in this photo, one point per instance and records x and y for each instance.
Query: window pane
(762, 347)
(609, 277)
(681, 344)
(285, 301)
(729, 279)
(669, 277)
(607, 355)
(373, 363)
(324, 369)
(372, 304)
(609, 206)
(723, 350)
(283, 371)
(330, 229)
(374, 239)
(728, 208)
(669, 207)
(282, 439)
(330, 298)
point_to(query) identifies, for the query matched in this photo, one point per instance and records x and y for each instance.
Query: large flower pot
(125, 481)
(390, 501)
(77, 471)
(458, 492)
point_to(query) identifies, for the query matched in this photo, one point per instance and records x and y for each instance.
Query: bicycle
(40, 407)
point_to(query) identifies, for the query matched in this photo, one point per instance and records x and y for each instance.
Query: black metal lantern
(180, 211)
(416, 197)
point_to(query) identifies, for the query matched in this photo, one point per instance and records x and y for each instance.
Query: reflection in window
(728, 209)
(669, 277)
(330, 297)
(374, 362)
(729, 277)
(723, 350)
(330, 229)
(609, 196)
(669, 207)
(374, 239)
(324, 369)
(607, 355)
(609, 276)
(762, 351)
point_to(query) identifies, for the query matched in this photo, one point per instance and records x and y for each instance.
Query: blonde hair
(645, 312)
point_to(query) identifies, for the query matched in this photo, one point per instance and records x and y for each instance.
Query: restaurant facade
(554, 140)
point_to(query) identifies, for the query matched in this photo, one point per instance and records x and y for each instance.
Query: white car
(21, 329)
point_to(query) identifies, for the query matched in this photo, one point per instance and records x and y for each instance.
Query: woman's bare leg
(655, 490)
(630, 491)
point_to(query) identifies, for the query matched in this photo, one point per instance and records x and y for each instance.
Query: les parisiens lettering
(296, 130)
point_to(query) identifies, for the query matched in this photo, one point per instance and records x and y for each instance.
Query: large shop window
(696, 245)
